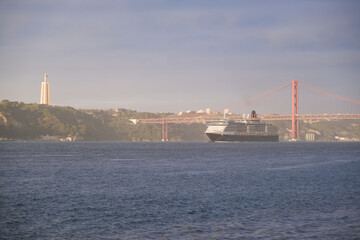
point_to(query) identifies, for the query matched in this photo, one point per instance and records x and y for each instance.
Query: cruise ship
(246, 130)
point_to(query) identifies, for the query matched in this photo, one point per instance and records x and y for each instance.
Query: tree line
(34, 121)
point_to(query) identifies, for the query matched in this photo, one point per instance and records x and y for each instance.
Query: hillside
(324, 131)
(20, 121)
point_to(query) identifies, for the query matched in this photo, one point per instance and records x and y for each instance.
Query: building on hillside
(45, 91)
(310, 136)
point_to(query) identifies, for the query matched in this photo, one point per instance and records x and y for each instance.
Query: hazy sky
(170, 56)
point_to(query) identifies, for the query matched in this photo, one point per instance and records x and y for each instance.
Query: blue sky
(170, 56)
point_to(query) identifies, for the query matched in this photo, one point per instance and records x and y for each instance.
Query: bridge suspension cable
(329, 94)
(253, 99)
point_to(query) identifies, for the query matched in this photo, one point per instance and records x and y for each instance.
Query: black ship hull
(242, 138)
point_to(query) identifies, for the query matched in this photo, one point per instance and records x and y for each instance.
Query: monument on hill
(45, 91)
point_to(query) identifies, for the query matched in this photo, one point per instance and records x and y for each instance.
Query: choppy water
(179, 190)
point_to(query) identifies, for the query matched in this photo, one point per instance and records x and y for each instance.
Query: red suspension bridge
(295, 116)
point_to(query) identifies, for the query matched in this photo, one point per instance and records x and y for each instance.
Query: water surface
(116, 190)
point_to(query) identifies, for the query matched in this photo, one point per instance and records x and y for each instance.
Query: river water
(113, 190)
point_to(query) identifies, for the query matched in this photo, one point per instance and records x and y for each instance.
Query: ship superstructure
(246, 130)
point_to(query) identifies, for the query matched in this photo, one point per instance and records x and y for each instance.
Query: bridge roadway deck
(269, 117)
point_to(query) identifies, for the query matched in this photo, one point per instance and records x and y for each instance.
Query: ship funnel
(253, 114)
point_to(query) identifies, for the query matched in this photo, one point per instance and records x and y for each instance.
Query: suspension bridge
(295, 116)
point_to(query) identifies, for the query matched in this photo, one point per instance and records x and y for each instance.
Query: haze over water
(104, 190)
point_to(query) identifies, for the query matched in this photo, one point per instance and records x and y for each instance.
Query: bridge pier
(295, 110)
(164, 128)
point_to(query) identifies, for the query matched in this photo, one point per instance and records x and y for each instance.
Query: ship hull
(242, 138)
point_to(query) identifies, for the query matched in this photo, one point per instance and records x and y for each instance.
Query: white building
(45, 91)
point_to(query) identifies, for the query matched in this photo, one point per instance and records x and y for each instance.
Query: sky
(171, 56)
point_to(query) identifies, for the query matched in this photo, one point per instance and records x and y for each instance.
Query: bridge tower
(295, 110)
